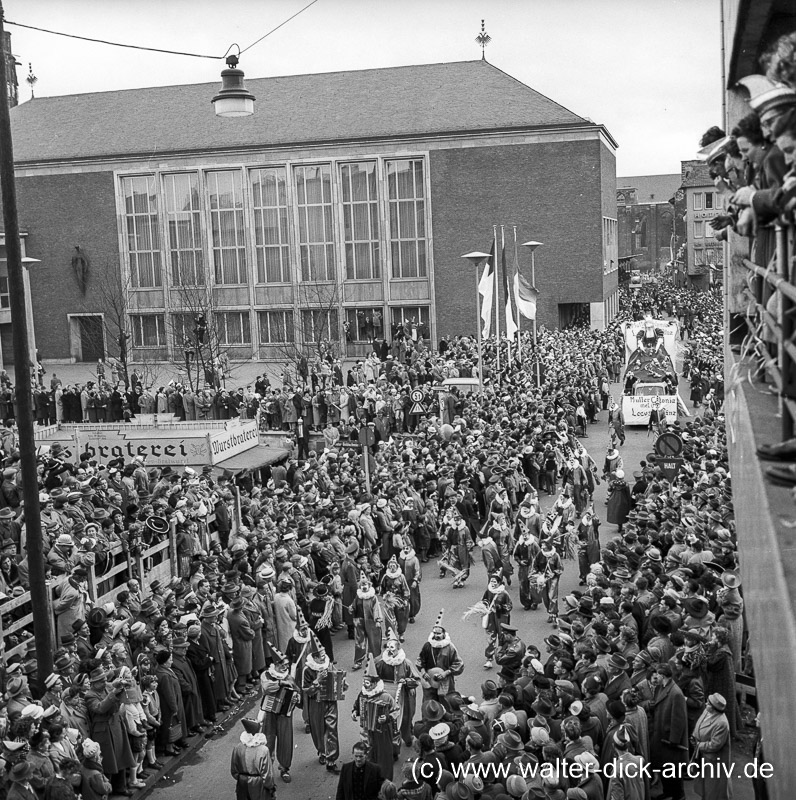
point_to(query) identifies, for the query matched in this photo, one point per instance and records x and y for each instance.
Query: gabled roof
(651, 188)
(300, 109)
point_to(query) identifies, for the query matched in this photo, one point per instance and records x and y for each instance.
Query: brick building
(339, 209)
(704, 254)
(645, 215)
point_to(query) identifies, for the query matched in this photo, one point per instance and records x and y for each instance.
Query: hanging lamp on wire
(234, 99)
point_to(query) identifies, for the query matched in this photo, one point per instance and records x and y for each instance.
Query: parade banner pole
(497, 298)
(506, 285)
(519, 315)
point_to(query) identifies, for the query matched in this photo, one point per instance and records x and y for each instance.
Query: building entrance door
(92, 340)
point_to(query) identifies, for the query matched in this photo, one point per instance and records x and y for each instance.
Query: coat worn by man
(242, 635)
(212, 640)
(191, 700)
(252, 768)
(669, 732)
(70, 606)
(285, 618)
(102, 703)
(171, 706)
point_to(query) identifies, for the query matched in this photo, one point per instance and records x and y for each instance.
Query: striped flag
(525, 295)
(486, 288)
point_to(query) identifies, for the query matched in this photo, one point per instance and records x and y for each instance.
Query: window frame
(220, 322)
(289, 328)
(699, 229)
(198, 272)
(241, 267)
(307, 249)
(132, 234)
(136, 325)
(333, 330)
(5, 295)
(283, 212)
(697, 205)
(348, 210)
(395, 237)
(353, 319)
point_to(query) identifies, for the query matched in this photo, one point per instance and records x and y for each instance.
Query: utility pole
(42, 627)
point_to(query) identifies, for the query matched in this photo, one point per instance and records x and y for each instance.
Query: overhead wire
(157, 49)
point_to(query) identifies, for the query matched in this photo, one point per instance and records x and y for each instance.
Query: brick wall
(552, 192)
(60, 212)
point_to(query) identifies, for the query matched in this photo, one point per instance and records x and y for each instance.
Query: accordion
(371, 712)
(333, 686)
(282, 702)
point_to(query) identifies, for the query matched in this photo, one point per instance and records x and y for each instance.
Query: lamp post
(42, 627)
(532, 245)
(477, 258)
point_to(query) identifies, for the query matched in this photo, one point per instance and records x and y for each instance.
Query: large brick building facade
(340, 208)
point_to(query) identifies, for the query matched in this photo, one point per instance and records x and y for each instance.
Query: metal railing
(771, 317)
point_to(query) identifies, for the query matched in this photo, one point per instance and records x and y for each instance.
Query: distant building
(645, 217)
(703, 253)
(12, 89)
(335, 213)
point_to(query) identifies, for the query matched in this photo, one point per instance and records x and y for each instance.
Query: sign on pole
(668, 445)
(670, 467)
(416, 395)
(367, 436)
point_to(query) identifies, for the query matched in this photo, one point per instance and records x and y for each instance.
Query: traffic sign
(417, 408)
(367, 436)
(416, 395)
(671, 467)
(668, 445)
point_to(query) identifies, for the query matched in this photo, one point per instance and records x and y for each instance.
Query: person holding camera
(103, 702)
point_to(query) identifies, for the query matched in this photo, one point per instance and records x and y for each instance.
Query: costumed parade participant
(251, 764)
(374, 709)
(401, 678)
(323, 687)
(495, 609)
(439, 654)
(281, 695)
(395, 598)
(410, 564)
(368, 622)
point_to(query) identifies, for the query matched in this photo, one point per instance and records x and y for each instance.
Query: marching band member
(410, 564)
(321, 705)
(368, 621)
(439, 653)
(548, 565)
(374, 709)
(499, 606)
(280, 697)
(251, 764)
(395, 598)
(396, 671)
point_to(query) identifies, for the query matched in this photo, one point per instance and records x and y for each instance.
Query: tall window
(699, 228)
(149, 330)
(182, 330)
(143, 238)
(360, 220)
(5, 297)
(708, 199)
(318, 324)
(225, 191)
(316, 236)
(233, 328)
(697, 201)
(184, 224)
(269, 199)
(364, 324)
(276, 327)
(708, 230)
(413, 319)
(407, 218)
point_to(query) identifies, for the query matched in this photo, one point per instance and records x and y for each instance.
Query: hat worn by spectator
(440, 731)
(717, 701)
(432, 711)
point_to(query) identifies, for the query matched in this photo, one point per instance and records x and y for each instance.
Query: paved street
(207, 774)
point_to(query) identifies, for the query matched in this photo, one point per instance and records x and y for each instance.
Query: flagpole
(535, 346)
(478, 323)
(507, 301)
(519, 316)
(497, 299)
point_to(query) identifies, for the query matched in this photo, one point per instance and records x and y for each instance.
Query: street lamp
(477, 258)
(234, 99)
(532, 245)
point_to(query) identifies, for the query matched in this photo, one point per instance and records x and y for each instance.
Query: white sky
(648, 70)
